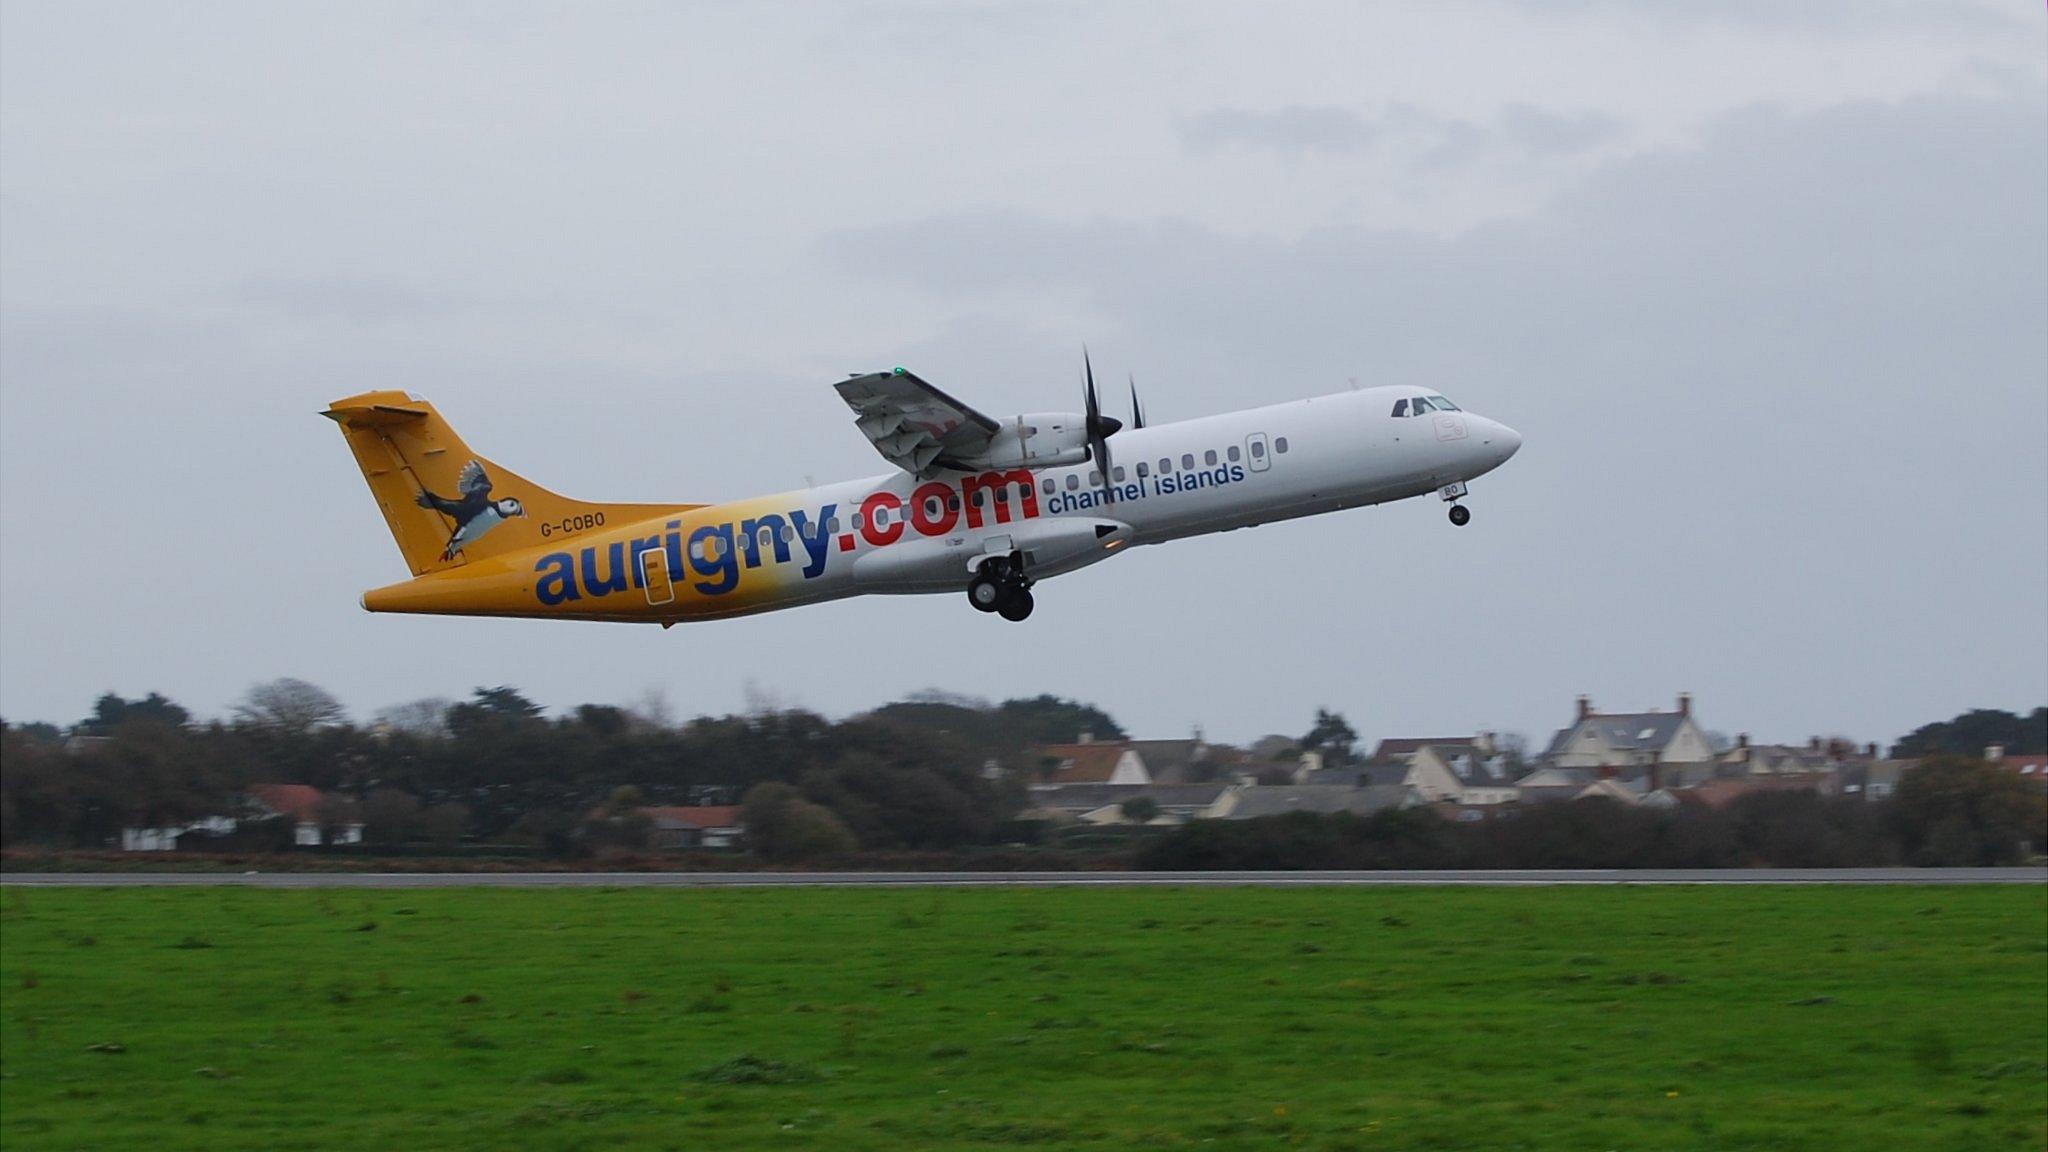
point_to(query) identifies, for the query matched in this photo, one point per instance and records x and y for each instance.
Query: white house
(1670, 745)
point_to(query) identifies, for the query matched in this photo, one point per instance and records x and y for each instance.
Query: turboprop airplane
(975, 504)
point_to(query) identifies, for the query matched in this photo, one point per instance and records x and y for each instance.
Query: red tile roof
(700, 816)
(1084, 763)
(301, 802)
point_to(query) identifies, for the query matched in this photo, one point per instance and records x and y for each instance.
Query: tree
(288, 706)
(110, 711)
(1332, 736)
(782, 825)
(1952, 810)
(424, 717)
(1048, 719)
(1972, 732)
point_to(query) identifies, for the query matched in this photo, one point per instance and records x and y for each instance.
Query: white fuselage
(1211, 474)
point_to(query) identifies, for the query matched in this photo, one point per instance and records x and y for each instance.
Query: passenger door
(656, 577)
(1258, 454)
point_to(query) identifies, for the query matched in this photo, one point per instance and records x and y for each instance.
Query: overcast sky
(1764, 287)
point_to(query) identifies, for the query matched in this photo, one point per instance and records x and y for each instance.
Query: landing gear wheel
(1460, 515)
(1016, 606)
(985, 592)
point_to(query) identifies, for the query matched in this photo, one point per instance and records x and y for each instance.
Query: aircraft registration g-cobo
(975, 504)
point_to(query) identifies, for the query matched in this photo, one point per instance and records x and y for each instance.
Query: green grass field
(1463, 1018)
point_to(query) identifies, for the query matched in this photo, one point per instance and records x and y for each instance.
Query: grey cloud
(1766, 386)
(1432, 140)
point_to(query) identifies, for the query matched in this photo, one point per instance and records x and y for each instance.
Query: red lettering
(871, 512)
(931, 509)
(997, 484)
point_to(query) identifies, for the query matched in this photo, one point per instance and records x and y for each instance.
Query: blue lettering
(642, 547)
(750, 538)
(672, 544)
(616, 582)
(558, 579)
(712, 555)
(815, 541)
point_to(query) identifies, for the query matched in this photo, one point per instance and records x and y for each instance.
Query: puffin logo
(474, 512)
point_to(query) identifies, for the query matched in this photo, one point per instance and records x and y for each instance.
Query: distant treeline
(910, 777)
(492, 768)
(1950, 811)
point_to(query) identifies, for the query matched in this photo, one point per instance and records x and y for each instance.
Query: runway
(1019, 879)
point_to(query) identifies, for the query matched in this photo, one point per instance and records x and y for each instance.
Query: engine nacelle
(1036, 440)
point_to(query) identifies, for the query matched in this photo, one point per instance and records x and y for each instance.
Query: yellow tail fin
(445, 504)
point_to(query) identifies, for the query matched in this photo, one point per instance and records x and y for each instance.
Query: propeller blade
(1137, 412)
(1100, 429)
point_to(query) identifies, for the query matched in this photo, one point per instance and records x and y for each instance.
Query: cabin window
(1280, 444)
(1231, 453)
(1209, 458)
(1073, 481)
(832, 526)
(1187, 462)
(1144, 470)
(1258, 449)
(952, 502)
(1119, 475)
(697, 550)
(1050, 486)
(767, 535)
(1401, 406)
(1165, 467)
(786, 532)
(1094, 478)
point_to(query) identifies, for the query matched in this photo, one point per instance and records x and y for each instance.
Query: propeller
(1100, 429)
(1137, 413)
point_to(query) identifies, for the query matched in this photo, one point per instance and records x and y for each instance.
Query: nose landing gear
(1460, 515)
(999, 586)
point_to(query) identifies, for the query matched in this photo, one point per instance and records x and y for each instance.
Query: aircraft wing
(912, 424)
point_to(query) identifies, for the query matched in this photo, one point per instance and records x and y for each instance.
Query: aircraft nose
(1506, 441)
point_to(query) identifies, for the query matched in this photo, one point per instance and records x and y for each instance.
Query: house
(1090, 762)
(304, 805)
(1872, 779)
(165, 838)
(1455, 769)
(1668, 747)
(2032, 769)
(1177, 761)
(1104, 803)
(1252, 803)
(694, 826)
(1612, 788)
(1727, 790)
(1547, 784)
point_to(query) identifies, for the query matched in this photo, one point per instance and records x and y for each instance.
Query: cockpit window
(1443, 405)
(1401, 407)
(1421, 405)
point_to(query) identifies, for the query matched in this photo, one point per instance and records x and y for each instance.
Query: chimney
(1742, 741)
(1994, 753)
(1813, 743)
(1685, 703)
(1870, 751)
(1585, 707)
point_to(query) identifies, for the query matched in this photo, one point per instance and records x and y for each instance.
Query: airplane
(974, 504)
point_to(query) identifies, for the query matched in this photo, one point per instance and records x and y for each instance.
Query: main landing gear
(999, 586)
(1460, 515)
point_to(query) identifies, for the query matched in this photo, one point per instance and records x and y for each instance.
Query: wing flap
(911, 423)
